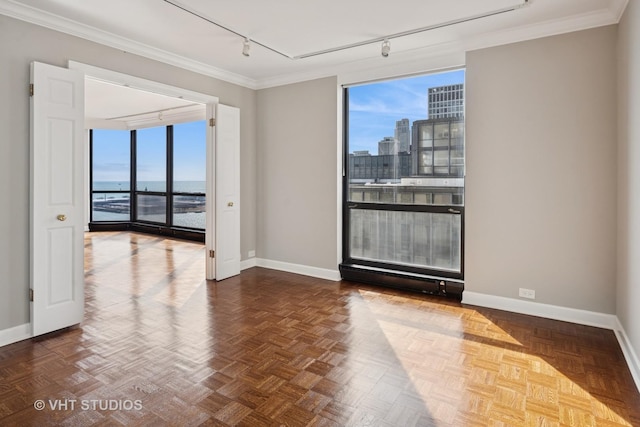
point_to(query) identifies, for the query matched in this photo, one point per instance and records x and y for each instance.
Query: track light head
(246, 47)
(386, 48)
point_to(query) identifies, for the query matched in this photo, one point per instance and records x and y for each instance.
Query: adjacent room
(427, 216)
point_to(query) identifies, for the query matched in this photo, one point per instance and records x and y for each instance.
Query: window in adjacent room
(167, 165)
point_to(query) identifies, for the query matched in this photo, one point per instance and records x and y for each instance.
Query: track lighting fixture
(386, 48)
(386, 45)
(246, 47)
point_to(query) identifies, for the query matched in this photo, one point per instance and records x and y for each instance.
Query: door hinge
(31, 89)
(30, 294)
(212, 254)
(212, 122)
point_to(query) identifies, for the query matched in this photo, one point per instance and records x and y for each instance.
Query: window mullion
(169, 194)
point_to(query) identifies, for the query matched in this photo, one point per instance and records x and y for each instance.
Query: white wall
(541, 170)
(297, 174)
(628, 281)
(21, 43)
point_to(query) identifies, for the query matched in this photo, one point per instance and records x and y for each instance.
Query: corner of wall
(15, 334)
(565, 314)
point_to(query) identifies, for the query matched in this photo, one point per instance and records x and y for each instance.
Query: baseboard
(565, 314)
(555, 312)
(629, 353)
(321, 273)
(248, 263)
(15, 334)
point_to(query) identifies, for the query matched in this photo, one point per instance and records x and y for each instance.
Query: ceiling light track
(384, 39)
(224, 27)
(160, 114)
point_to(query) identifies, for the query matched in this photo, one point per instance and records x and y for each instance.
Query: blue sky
(375, 108)
(111, 153)
(373, 112)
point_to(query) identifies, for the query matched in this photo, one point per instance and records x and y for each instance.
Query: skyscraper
(446, 101)
(403, 135)
(388, 145)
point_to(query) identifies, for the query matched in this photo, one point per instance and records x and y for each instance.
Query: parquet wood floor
(161, 346)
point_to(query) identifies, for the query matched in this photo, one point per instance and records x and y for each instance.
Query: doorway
(57, 195)
(154, 103)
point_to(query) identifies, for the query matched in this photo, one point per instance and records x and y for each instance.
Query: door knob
(61, 217)
(230, 204)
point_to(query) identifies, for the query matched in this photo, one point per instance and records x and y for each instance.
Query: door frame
(209, 102)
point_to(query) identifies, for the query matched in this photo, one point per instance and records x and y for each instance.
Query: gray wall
(21, 43)
(297, 174)
(541, 170)
(541, 165)
(628, 292)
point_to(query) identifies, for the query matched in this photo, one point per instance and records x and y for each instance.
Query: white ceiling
(112, 106)
(160, 30)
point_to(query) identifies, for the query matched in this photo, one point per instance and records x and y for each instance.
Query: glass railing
(420, 239)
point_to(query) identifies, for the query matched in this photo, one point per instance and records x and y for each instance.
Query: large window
(189, 174)
(167, 165)
(110, 175)
(151, 174)
(404, 178)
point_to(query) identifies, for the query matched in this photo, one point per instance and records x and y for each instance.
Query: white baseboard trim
(565, 314)
(629, 353)
(321, 273)
(555, 312)
(247, 263)
(15, 334)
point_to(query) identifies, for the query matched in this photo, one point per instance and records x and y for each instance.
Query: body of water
(188, 211)
(161, 186)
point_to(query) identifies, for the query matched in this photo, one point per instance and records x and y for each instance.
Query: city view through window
(405, 192)
(168, 167)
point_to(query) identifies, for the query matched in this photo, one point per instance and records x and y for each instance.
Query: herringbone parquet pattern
(269, 348)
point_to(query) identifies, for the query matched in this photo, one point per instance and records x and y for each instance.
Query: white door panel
(57, 202)
(227, 191)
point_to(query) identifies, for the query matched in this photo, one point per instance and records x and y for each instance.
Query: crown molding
(619, 8)
(67, 26)
(448, 54)
(407, 62)
(599, 18)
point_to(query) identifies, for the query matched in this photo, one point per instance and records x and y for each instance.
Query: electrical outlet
(252, 254)
(527, 293)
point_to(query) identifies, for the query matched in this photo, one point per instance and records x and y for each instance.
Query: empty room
(320, 213)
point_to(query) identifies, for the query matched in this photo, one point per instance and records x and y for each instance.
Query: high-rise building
(361, 153)
(379, 169)
(403, 135)
(439, 147)
(388, 146)
(446, 101)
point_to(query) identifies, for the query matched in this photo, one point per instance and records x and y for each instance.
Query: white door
(210, 206)
(57, 202)
(227, 191)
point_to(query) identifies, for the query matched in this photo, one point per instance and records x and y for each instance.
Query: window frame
(134, 223)
(348, 205)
